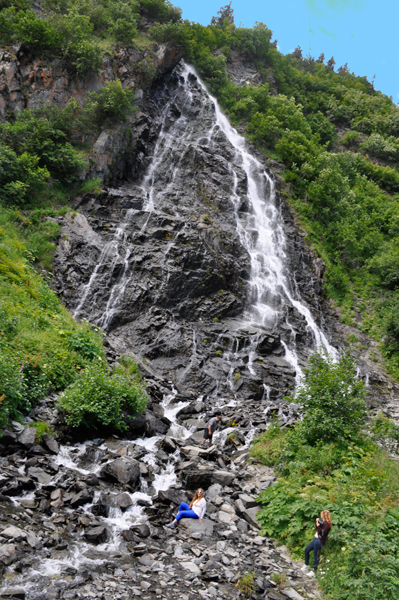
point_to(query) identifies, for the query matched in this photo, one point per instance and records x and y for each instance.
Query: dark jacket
(323, 530)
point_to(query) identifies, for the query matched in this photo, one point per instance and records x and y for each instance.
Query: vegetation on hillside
(328, 461)
(42, 348)
(338, 138)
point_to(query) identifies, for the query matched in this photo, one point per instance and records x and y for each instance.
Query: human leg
(316, 553)
(308, 550)
(188, 514)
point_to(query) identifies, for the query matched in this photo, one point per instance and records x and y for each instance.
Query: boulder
(168, 445)
(248, 501)
(225, 478)
(97, 535)
(40, 475)
(192, 567)
(141, 529)
(193, 526)
(13, 533)
(27, 437)
(8, 554)
(50, 443)
(16, 593)
(171, 496)
(83, 497)
(121, 471)
(123, 501)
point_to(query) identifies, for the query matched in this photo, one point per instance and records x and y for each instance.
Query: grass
(41, 429)
(246, 584)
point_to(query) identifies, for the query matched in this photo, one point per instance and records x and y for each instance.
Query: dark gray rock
(122, 471)
(141, 529)
(81, 498)
(27, 437)
(50, 443)
(123, 501)
(97, 535)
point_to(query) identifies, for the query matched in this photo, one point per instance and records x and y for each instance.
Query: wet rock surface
(117, 544)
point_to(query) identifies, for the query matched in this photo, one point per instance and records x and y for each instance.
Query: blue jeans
(186, 511)
(316, 546)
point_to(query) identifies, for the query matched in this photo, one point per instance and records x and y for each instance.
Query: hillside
(178, 239)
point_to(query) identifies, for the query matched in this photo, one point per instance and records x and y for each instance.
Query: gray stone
(194, 526)
(13, 533)
(146, 560)
(27, 437)
(83, 497)
(141, 529)
(248, 501)
(213, 492)
(123, 500)
(8, 554)
(40, 475)
(97, 535)
(192, 567)
(12, 592)
(50, 443)
(292, 594)
(225, 478)
(124, 472)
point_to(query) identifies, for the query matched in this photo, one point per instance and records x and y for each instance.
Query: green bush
(110, 105)
(332, 399)
(98, 399)
(340, 470)
(160, 10)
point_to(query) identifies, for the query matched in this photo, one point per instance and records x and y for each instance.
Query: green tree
(332, 399)
(225, 16)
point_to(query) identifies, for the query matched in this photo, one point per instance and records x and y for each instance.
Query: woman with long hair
(323, 528)
(195, 510)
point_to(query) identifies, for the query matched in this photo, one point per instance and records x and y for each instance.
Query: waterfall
(273, 293)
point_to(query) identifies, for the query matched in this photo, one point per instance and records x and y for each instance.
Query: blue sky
(363, 33)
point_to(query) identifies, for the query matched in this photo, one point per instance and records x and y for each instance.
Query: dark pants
(206, 434)
(316, 546)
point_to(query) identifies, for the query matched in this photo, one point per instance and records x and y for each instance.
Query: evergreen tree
(225, 17)
(321, 58)
(297, 53)
(344, 69)
(331, 64)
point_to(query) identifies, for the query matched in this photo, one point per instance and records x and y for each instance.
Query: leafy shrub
(110, 105)
(98, 399)
(42, 429)
(11, 389)
(246, 584)
(386, 266)
(38, 34)
(377, 145)
(332, 399)
(160, 10)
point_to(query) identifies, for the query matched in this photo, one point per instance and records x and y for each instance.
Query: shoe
(172, 525)
(305, 568)
(310, 574)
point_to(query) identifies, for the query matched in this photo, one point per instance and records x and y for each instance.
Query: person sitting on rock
(210, 427)
(323, 528)
(196, 510)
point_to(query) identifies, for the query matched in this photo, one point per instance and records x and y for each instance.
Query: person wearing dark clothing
(209, 430)
(323, 528)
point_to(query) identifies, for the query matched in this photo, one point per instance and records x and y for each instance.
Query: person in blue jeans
(196, 509)
(323, 528)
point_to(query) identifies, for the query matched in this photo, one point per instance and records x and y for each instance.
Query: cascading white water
(272, 287)
(270, 284)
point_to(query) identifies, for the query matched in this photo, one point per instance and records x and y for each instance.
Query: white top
(199, 507)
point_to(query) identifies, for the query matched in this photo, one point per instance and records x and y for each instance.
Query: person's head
(325, 516)
(217, 418)
(197, 496)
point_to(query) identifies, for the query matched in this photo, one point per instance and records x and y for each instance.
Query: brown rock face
(25, 80)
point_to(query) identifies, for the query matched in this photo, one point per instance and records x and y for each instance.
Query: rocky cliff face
(26, 80)
(173, 264)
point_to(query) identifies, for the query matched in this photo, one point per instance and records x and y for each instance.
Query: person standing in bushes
(323, 528)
